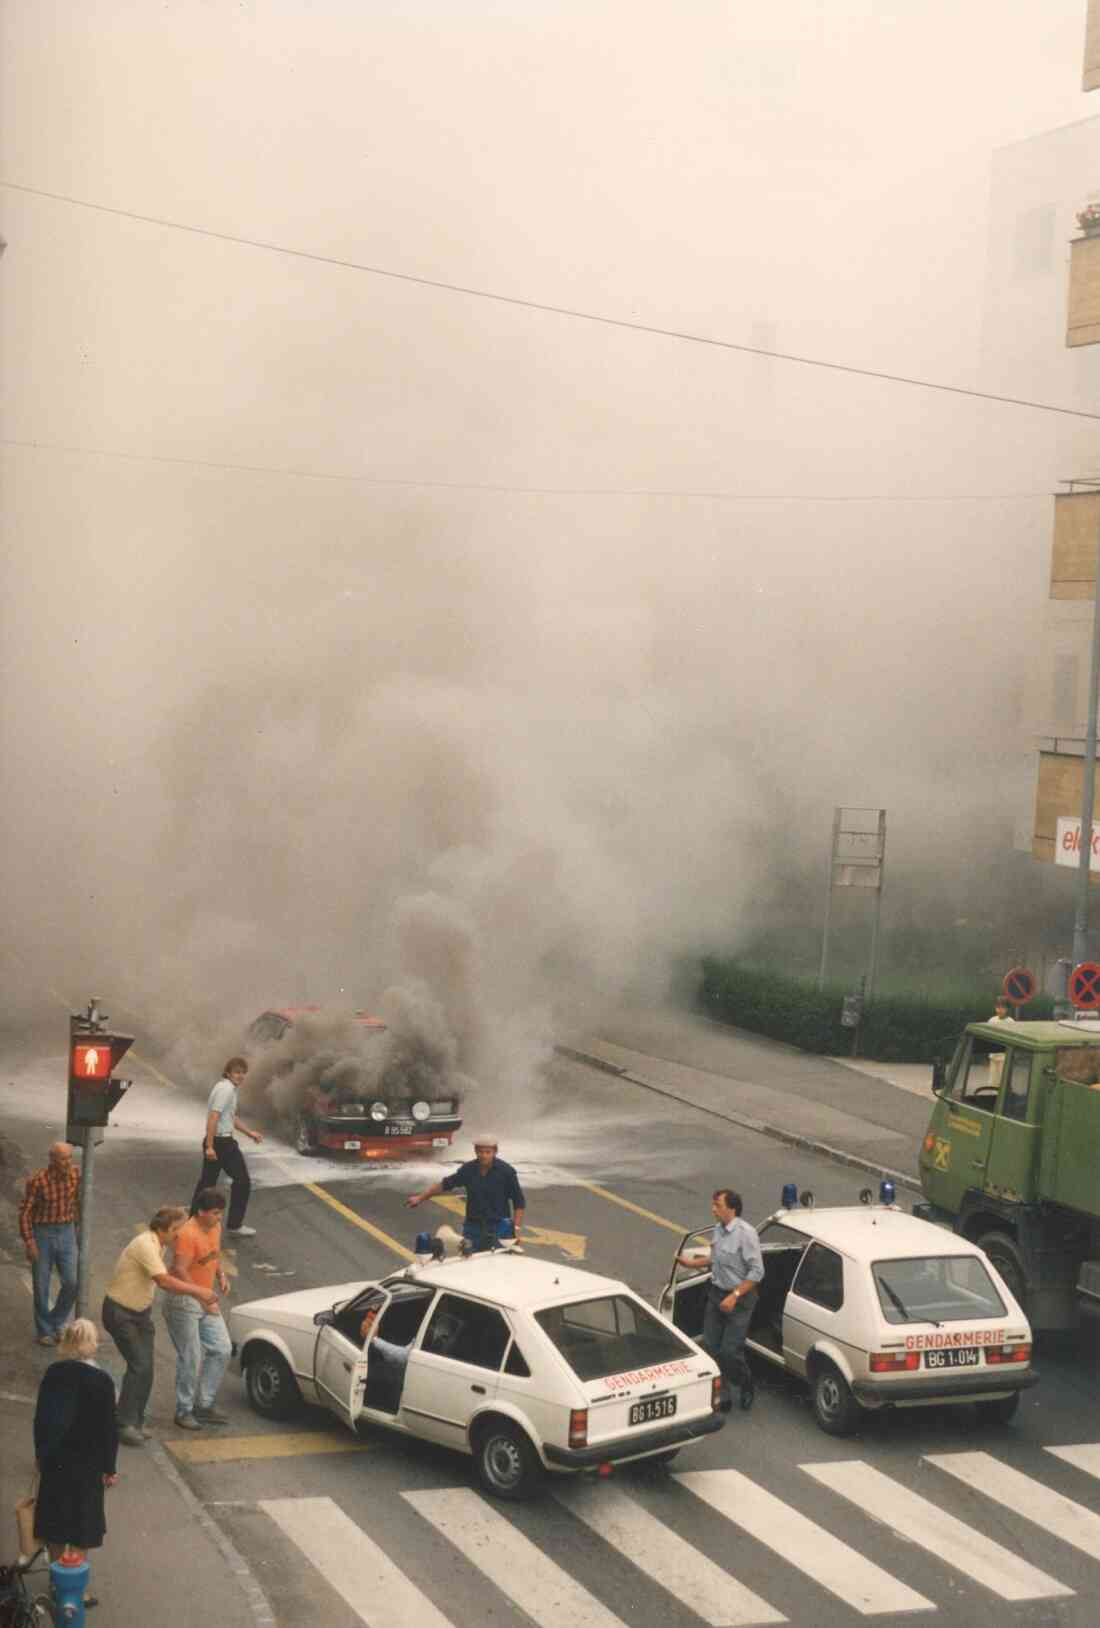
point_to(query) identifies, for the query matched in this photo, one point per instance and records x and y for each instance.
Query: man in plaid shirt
(47, 1224)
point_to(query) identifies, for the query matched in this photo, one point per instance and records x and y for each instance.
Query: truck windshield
(936, 1289)
(610, 1336)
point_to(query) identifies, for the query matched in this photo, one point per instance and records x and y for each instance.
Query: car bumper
(623, 1448)
(333, 1135)
(943, 1388)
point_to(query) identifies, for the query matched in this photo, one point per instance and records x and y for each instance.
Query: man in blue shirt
(736, 1268)
(491, 1186)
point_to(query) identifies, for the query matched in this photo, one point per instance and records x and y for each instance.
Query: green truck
(1011, 1159)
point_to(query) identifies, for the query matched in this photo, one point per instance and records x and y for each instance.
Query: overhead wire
(683, 336)
(701, 494)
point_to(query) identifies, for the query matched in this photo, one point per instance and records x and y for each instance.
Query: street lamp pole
(1084, 853)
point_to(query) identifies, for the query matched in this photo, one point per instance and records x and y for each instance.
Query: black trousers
(133, 1333)
(227, 1157)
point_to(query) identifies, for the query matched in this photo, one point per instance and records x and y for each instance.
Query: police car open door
(340, 1362)
(684, 1297)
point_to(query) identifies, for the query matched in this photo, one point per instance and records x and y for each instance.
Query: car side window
(516, 1363)
(467, 1331)
(1017, 1085)
(977, 1075)
(820, 1278)
(402, 1318)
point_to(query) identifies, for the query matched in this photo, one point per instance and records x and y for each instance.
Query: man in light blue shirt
(221, 1150)
(736, 1269)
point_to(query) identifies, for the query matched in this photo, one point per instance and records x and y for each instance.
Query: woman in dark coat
(75, 1443)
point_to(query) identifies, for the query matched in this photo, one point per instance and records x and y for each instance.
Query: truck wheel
(835, 1408)
(272, 1388)
(1000, 1411)
(1005, 1255)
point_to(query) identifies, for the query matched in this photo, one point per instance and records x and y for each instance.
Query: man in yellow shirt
(128, 1313)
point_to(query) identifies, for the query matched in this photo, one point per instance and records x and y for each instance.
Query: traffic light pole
(84, 1243)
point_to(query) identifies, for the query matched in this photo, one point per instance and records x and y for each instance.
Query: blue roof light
(790, 1196)
(886, 1192)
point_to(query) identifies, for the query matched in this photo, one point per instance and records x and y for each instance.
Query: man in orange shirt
(201, 1339)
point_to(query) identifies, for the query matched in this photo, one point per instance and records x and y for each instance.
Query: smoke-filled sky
(359, 633)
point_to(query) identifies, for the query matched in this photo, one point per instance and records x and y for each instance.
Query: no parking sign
(1019, 985)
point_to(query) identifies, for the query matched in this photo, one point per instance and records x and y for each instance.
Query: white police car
(527, 1366)
(873, 1308)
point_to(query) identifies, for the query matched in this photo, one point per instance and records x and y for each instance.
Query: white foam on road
(708, 1590)
(951, 1541)
(362, 1574)
(802, 1543)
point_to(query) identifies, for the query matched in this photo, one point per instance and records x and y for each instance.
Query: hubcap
(266, 1381)
(503, 1461)
(828, 1395)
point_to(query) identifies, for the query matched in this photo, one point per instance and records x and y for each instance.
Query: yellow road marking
(613, 1198)
(224, 1449)
(573, 1244)
(358, 1221)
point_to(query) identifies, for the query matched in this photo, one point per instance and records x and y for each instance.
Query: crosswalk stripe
(796, 1539)
(662, 1554)
(1086, 1457)
(1052, 1511)
(501, 1552)
(351, 1563)
(950, 1540)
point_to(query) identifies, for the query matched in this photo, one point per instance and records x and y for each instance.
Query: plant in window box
(1088, 219)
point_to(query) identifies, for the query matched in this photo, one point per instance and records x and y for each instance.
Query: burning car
(370, 1096)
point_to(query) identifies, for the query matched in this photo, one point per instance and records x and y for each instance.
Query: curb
(808, 1144)
(259, 1604)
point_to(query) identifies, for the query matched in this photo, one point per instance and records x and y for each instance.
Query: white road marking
(1086, 1457)
(1060, 1516)
(951, 1541)
(352, 1563)
(789, 1534)
(713, 1594)
(509, 1560)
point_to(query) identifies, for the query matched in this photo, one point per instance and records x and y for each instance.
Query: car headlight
(422, 1110)
(378, 1110)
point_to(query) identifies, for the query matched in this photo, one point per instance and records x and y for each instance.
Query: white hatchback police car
(874, 1308)
(527, 1366)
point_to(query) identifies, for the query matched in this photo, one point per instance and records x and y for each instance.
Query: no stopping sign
(1084, 986)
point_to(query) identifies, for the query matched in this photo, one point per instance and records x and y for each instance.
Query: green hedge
(896, 1028)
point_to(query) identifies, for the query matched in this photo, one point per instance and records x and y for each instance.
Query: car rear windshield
(936, 1289)
(611, 1335)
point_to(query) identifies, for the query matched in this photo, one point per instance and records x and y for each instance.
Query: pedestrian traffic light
(94, 1055)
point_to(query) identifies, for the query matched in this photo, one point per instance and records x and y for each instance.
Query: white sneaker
(241, 1232)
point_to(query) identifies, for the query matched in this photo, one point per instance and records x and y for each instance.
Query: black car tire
(1000, 1410)
(506, 1463)
(835, 1408)
(305, 1134)
(272, 1389)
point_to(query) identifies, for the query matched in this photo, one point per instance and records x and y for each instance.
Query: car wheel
(835, 1407)
(272, 1388)
(1006, 1257)
(506, 1463)
(305, 1134)
(1000, 1411)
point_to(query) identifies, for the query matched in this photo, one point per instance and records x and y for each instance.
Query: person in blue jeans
(47, 1225)
(199, 1334)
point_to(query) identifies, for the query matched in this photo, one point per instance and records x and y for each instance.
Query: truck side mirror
(939, 1075)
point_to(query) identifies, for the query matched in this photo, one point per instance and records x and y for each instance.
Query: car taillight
(578, 1427)
(894, 1362)
(716, 1394)
(1007, 1353)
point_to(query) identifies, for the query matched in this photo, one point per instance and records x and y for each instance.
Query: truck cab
(1009, 1159)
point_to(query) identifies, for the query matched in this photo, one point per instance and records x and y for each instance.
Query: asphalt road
(612, 1172)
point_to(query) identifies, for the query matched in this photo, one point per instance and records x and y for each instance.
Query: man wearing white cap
(491, 1187)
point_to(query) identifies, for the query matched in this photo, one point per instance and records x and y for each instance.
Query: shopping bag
(24, 1521)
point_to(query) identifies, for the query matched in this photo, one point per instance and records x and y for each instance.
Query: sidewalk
(869, 1115)
(163, 1560)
